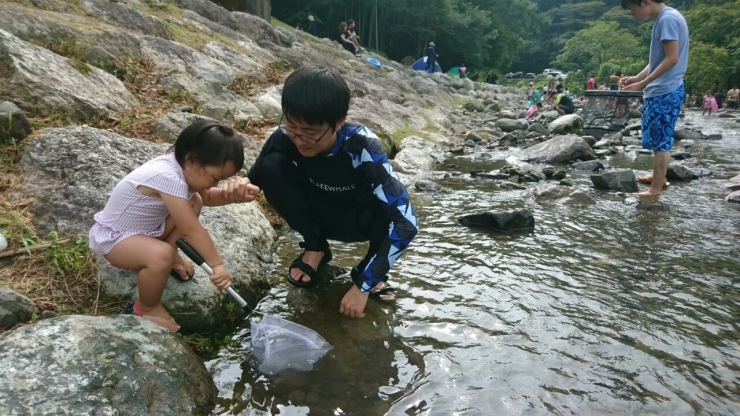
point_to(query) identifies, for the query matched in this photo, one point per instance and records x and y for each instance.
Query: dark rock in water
(715, 136)
(645, 205)
(511, 185)
(733, 187)
(14, 308)
(548, 171)
(427, 186)
(531, 177)
(566, 182)
(603, 152)
(473, 137)
(591, 140)
(559, 175)
(618, 180)
(686, 134)
(680, 155)
(679, 172)
(501, 222)
(539, 128)
(725, 115)
(590, 166)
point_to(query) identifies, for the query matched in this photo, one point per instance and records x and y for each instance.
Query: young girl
(160, 202)
(709, 103)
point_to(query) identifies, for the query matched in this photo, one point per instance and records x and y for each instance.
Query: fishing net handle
(197, 259)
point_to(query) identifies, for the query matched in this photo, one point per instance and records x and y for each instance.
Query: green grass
(406, 131)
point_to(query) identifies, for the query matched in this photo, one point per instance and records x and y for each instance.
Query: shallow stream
(606, 310)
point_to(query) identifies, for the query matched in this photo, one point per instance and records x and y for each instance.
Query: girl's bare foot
(159, 315)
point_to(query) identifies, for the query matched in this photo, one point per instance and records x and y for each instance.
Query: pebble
(3, 242)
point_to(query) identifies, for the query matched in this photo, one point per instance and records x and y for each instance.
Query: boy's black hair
(636, 3)
(349, 22)
(209, 143)
(315, 95)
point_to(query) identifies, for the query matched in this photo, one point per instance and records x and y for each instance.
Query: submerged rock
(618, 180)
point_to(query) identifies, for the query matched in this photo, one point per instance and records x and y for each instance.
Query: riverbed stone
(427, 186)
(617, 180)
(539, 128)
(567, 124)
(87, 365)
(501, 222)
(14, 308)
(552, 193)
(682, 134)
(733, 197)
(579, 199)
(71, 172)
(588, 166)
(680, 155)
(680, 172)
(508, 125)
(13, 122)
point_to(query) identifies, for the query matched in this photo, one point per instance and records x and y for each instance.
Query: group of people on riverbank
(715, 101)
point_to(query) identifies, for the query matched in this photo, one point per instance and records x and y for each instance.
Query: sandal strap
(305, 268)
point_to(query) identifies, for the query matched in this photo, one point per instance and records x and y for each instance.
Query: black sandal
(177, 276)
(305, 268)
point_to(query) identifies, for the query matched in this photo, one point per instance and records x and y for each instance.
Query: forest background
(493, 37)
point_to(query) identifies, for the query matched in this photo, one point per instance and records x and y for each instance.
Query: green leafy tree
(708, 68)
(601, 42)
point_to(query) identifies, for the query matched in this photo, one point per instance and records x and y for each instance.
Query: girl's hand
(221, 277)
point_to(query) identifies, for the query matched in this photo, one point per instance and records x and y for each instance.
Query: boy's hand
(221, 277)
(240, 190)
(353, 303)
(638, 86)
(627, 81)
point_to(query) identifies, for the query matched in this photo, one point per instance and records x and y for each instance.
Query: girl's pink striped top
(129, 212)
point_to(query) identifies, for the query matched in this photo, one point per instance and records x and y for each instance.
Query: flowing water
(605, 310)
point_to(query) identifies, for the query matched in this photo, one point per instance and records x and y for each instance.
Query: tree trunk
(259, 8)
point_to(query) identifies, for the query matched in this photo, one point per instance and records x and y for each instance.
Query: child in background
(709, 104)
(534, 110)
(158, 203)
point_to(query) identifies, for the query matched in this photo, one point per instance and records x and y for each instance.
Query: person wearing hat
(530, 91)
(431, 58)
(313, 28)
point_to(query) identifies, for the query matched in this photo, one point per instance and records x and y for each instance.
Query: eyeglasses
(304, 139)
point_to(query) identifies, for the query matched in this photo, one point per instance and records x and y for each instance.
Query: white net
(280, 345)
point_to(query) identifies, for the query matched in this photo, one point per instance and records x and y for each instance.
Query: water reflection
(604, 310)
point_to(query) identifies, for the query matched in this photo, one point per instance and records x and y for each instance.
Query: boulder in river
(686, 134)
(92, 365)
(559, 149)
(500, 222)
(733, 197)
(567, 124)
(617, 180)
(680, 172)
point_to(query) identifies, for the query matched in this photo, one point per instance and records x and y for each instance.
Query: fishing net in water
(280, 345)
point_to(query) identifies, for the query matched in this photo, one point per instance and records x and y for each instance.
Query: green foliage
(599, 43)
(68, 259)
(708, 68)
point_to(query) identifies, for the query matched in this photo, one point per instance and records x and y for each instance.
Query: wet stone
(681, 155)
(559, 175)
(500, 222)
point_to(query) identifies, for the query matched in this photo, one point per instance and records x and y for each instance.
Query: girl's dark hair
(209, 143)
(315, 95)
(342, 27)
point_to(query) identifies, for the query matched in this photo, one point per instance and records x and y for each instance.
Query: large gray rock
(85, 365)
(126, 16)
(500, 222)
(43, 83)
(419, 155)
(71, 172)
(14, 308)
(539, 128)
(507, 124)
(618, 180)
(552, 194)
(679, 172)
(253, 27)
(559, 149)
(567, 124)
(686, 134)
(733, 197)
(13, 122)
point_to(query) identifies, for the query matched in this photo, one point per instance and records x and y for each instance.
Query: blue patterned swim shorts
(659, 116)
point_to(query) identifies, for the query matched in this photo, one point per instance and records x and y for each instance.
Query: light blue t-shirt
(670, 25)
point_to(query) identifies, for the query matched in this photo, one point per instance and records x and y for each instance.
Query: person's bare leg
(154, 260)
(171, 234)
(313, 259)
(660, 168)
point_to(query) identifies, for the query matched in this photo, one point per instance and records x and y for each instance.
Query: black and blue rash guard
(356, 171)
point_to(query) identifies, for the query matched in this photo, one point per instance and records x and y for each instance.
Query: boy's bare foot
(649, 192)
(159, 315)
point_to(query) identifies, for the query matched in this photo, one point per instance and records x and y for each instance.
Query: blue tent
(421, 65)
